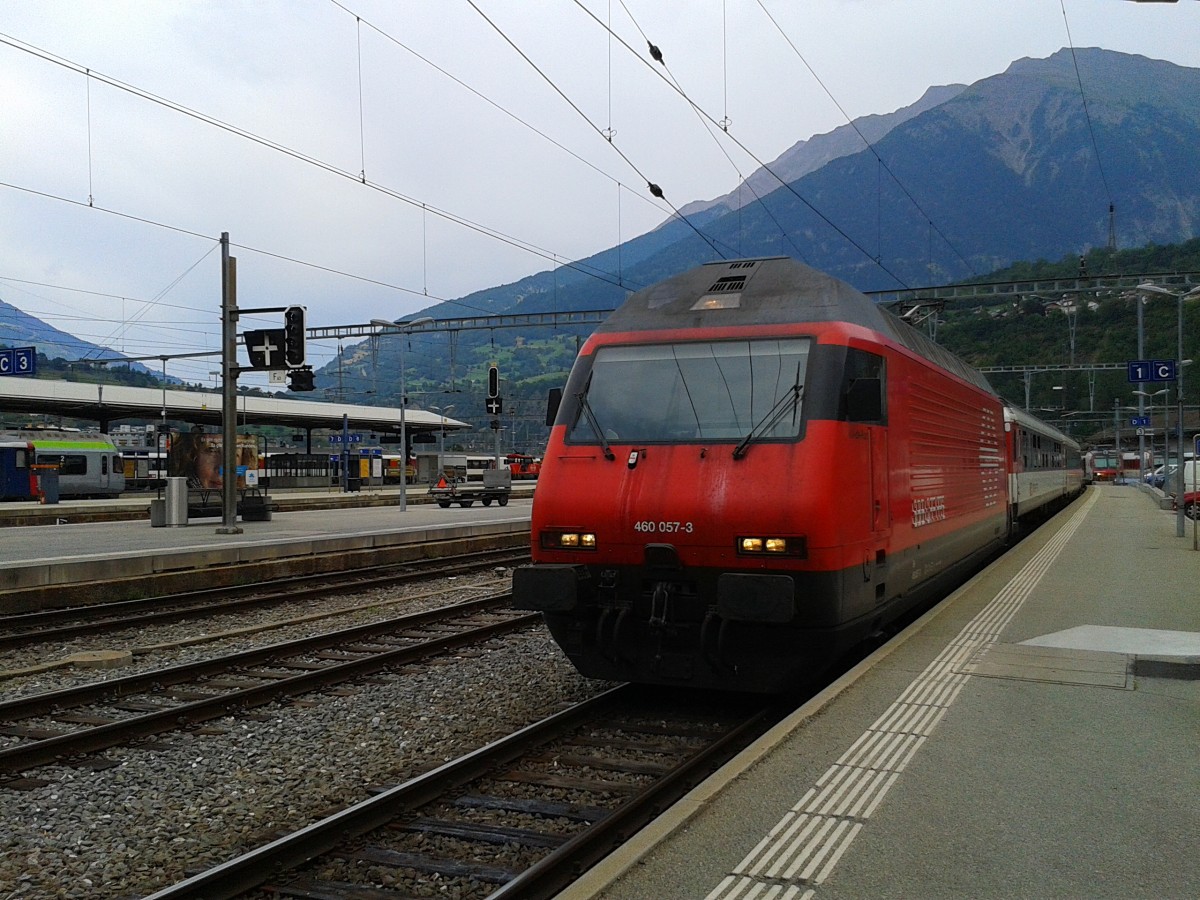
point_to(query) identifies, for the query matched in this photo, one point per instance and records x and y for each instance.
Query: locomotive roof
(770, 291)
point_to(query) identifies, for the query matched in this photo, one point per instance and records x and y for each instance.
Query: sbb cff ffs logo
(293, 336)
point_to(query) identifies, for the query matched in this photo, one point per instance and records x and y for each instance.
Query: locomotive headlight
(568, 540)
(796, 546)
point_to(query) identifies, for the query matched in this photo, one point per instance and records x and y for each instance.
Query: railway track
(46, 626)
(521, 817)
(60, 725)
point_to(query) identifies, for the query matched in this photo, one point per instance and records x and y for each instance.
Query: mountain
(19, 329)
(1002, 170)
(965, 181)
(809, 155)
(1013, 167)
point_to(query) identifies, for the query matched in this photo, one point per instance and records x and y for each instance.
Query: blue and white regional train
(88, 464)
(754, 466)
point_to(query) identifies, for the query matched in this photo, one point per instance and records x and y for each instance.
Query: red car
(1191, 504)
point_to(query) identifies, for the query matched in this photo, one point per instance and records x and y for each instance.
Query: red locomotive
(753, 467)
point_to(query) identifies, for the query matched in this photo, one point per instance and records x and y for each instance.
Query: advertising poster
(199, 458)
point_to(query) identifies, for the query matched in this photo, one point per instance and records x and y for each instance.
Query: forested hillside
(1038, 329)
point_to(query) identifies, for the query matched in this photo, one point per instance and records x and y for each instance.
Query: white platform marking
(803, 848)
(1131, 641)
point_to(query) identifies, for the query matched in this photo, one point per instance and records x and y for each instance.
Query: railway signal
(293, 337)
(494, 404)
(301, 379)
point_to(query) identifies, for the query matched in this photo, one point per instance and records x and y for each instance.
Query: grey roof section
(770, 291)
(108, 402)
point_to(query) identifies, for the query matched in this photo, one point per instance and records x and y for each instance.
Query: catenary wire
(652, 186)
(822, 216)
(1083, 96)
(300, 156)
(709, 130)
(864, 139)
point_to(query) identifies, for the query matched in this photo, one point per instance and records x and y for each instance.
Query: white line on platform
(803, 848)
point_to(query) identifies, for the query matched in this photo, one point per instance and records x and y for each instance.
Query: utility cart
(496, 485)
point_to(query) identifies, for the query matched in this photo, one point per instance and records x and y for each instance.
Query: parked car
(1160, 476)
(1191, 504)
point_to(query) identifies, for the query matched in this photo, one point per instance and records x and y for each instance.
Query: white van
(1189, 478)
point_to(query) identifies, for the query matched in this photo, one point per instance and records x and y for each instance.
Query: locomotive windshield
(720, 390)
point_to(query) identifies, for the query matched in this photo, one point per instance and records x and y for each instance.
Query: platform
(59, 555)
(1035, 736)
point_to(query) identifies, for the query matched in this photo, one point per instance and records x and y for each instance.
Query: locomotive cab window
(704, 391)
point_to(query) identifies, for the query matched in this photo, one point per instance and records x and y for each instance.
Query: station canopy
(106, 403)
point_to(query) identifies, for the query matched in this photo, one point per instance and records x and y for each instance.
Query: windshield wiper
(790, 399)
(586, 408)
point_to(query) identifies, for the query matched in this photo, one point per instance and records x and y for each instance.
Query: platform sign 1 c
(1139, 370)
(19, 361)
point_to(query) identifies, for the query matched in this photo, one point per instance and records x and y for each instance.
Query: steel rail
(265, 864)
(298, 587)
(249, 871)
(89, 740)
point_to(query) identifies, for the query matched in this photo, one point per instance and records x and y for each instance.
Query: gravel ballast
(197, 799)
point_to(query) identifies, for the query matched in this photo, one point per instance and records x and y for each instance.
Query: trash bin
(176, 512)
(47, 476)
(158, 513)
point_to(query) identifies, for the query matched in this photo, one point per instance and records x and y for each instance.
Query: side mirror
(553, 402)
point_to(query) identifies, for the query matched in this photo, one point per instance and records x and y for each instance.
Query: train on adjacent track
(95, 465)
(754, 467)
(84, 463)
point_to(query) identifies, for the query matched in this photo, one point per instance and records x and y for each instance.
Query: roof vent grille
(728, 284)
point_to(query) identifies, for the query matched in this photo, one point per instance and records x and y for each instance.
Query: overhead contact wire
(497, 106)
(863, 137)
(708, 128)
(749, 153)
(1083, 96)
(654, 189)
(297, 155)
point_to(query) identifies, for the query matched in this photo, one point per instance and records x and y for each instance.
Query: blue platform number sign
(19, 361)
(1138, 370)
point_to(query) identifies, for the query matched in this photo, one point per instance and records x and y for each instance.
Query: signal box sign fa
(19, 361)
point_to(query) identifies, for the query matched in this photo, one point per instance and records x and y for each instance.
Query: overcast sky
(112, 204)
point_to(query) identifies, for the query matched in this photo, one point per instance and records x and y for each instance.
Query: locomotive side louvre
(948, 481)
(752, 468)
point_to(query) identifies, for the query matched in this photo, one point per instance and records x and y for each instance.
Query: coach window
(864, 387)
(103, 465)
(69, 464)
